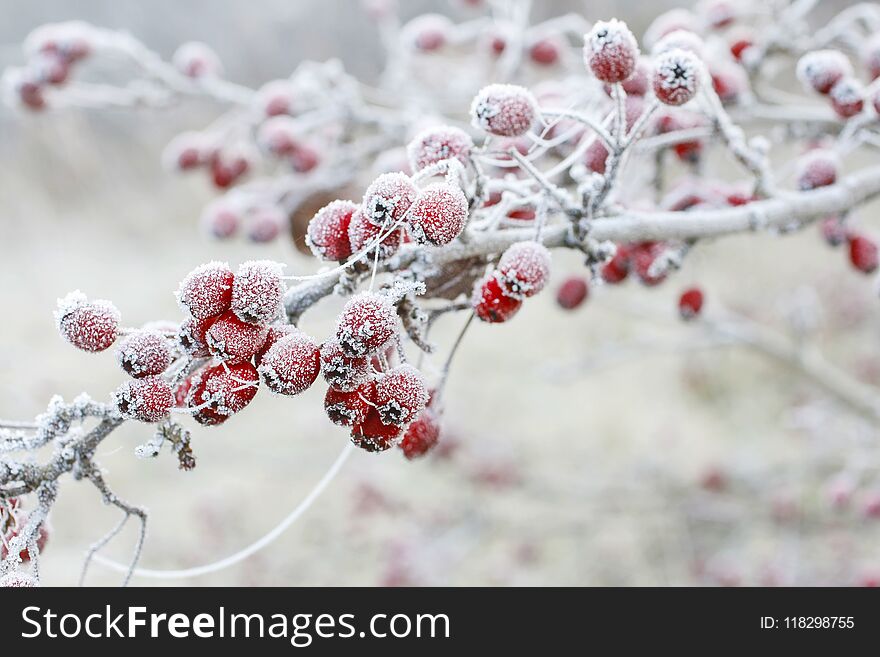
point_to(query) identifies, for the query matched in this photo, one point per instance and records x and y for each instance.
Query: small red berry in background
(638, 83)
(144, 353)
(217, 392)
(207, 290)
(871, 56)
(368, 322)
(719, 14)
(676, 77)
(572, 293)
(197, 60)
(278, 135)
(257, 292)
(739, 48)
(421, 436)
(327, 235)
(642, 256)
(820, 70)
(617, 269)
(428, 32)
(437, 144)
(401, 394)
(275, 98)
(87, 325)
(834, 231)
(690, 303)
(264, 223)
(350, 407)
(524, 269)
(438, 215)
(818, 168)
(231, 339)
(227, 168)
(388, 198)
(504, 110)
(291, 365)
(304, 158)
(149, 399)
(611, 51)
(729, 81)
(220, 219)
(863, 253)
(491, 303)
(544, 52)
(847, 98)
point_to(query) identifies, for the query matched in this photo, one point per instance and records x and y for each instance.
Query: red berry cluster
(830, 73)
(522, 271)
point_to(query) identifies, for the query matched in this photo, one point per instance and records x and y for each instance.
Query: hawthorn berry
(231, 339)
(421, 435)
(207, 290)
(847, 98)
(192, 336)
(438, 214)
(257, 292)
(729, 81)
(149, 399)
(343, 372)
(187, 151)
(688, 151)
(350, 408)
(676, 77)
(863, 253)
(30, 93)
(220, 219)
(273, 335)
(572, 293)
(437, 144)
(871, 56)
(291, 365)
(833, 230)
(327, 234)
(372, 435)
(368, 322)
(718, 14)
(144, 353)
(87, 325)
(388, 198)
(818, 168)
(544, 52)
(304, 158)
(740, 47)
(428, 32)
(611, 51)
(363, 234)
(275, 98)
(642, 256)
(401, 394)
(617, 269)
(504, 110)
(638, 83)
(24, 554)
(690, 303)
(50, 69)
(524, 269)
(490, 302)
(820, 70)
(218, 392)
(228, 166)
(197, 60)
(264, 223)
(278, 135)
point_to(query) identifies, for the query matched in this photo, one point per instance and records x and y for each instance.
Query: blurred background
(606, 446)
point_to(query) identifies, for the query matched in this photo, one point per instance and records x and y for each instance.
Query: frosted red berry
(490, 302)
(207, 290)
(401, 394)
(291, 365)
(87, 325)
(327, 234)
(421, 435)
(730, 82)
(544, 52)
(863, 253)
(388, 198)
(197, 60)
(367, 323)
(216, 393)
(228, 167)
(231, 339)
(437, 144)
(257, 291)
(362, 234)
(817, 168)
(524, 269)
(834, 231)
(676, 77)
(504, 110)
(847, 98)
(341, 371)
(372, 435)
(690, 303)
(275, 98)
(428, 32)
(273, 335)
(739, 48)
(820, 70)
(351, 407)
(186, 151)
(617, 269)
(149, 399)
(279, 136)
(220, 219)
(572, 293)
(264, 223)
(438, 214)
(639, 82)
(192, 338)
(611, 51)
(304, 158)
(144, 353)
(642, 256)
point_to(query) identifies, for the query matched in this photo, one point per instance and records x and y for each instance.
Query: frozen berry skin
(544, 52)
(257, 292)
(349, 408)
(388, 198)
(401, 394)
(362, 235)
(367, 323)
(491, 304)
(438, 214)
(217, 393)
(304, 158)
(611, 51)
(676, 77)
(820, 70)
(524, 269)
(191, 336)
(642, 257)
(572, 293)
(144, 353)
(863, 253)
(149, 399)
(207, 290)
(292, 364)
(231, 339)
(372, 435)
(421, 435)
(327, 235)
(690, 303)
(504, 110)
(87, 325)
(617, 269)
(437, 144)
(816, 169)
(343, 372)
(197, 60)
(847, 98)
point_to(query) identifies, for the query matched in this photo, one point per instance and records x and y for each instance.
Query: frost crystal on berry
(351, 407)
(428, 32)
(611, 51)
(690, 303)
(363, 234)
(87, 325)
(439, 214)
(401, 394)
(524, 269)
(504, 110)
(847, 97)
(257, 291)
(372, 435)
(820, 70)
(341, 371)
(388, 198)
(229, 338)
(676, 77)
(368, 322)
(144, 353)
(291, 365)
(147, 400)
(216, 393)
(207, 290)
(437, 144)
(491, 303)
(327, 235)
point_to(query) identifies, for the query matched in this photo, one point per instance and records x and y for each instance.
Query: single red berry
(350, 408)
(275, 98)
(388, 198)
(437, 144)
(504, 110)
(274, 334)
(341, 371)
(368, 322)
(690, 303)
(688, 151)
(87, 325)
(525, 213)
(638, 83)
(421, 435)
(197, 60)
(401, 394)
(327, 235)
(291, 365)
(207, 290)
(304, 158)
(192, 336)
(617, 269)
(228, 167)
(231, 339)
(216, 393)
(187, 151)
(220, 219)
(149, 399)
(279, 135)
(524, 269)
(643, 256)
(863, 253)
(30, 93)
(372, 435)
(596, 156)
(497, 44)
(818, 168)
(544, 52)
(820, 70)
(264, 223)
(834, 230)
(676, 77)
(572, 293)
(739, 48)
(438, 214)
(50, 68)
(847, 98)
(611, 51)
(428, 32)
(362, 235)
(257, 291)
(491, 303)
(144, 353)
(871, 504)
